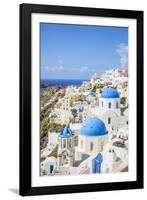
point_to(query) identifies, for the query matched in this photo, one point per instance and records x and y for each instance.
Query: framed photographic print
(81, 99)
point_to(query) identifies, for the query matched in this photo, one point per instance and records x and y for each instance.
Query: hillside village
(84, 129)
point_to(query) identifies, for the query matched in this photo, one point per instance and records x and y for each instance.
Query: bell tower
(66, 147)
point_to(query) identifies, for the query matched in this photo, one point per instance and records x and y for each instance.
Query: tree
(74, 113)
(94, 89)
(123, 100)
(48, 125)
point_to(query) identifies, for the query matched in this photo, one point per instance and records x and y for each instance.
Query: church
(93, 136)
(109, 111)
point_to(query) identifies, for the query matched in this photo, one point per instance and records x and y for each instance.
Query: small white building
(52, 140)
(49, 165)
(109, 100)
(93, 136)
(109, 111)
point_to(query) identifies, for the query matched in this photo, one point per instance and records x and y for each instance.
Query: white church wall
(108, 160)
(92, 144)
(78, 154)
(52, 140)
(104, 105)
(49, 164)
(123, 122)
(110, 119)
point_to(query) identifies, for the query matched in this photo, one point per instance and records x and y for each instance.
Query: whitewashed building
(52, 140)
(109, 111)
(49, 165)
(93, 136)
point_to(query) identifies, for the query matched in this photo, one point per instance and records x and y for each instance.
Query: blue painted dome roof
(66, 132)
(93, 127)
(110, 93)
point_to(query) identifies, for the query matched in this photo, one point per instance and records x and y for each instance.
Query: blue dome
(110, 93)
(66, 132)
(93, 127)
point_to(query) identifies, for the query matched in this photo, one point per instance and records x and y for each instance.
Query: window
(81, 144)
(109, 105)
(64, 143)
(102, 104)
(109, 120)
(117, 105)
(91, 146)
(102, 145)
(69, 142)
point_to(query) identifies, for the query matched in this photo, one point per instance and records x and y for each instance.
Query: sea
(62, 82)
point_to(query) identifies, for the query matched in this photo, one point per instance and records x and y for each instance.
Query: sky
(79, 51)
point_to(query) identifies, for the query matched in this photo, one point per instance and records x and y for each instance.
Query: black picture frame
(25, 187)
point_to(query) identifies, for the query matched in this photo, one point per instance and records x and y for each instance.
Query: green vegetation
(44, 112)
(94, 89)
(53, 153)
(74, 112)
(123, 100)
(47, 125)
(76, 97)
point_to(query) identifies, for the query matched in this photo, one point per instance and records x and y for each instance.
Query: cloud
(84, 69)
(80, 69)
(60, 62)
(74, 69)
(46, 68)
(53, 68)
(57, 68)
(122, 50)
